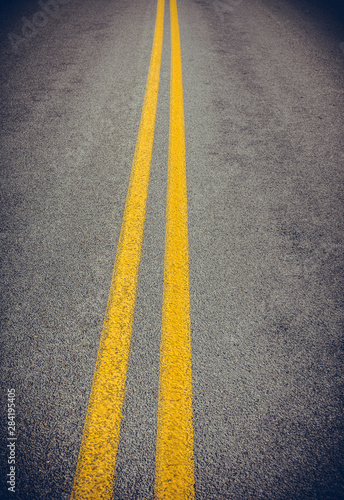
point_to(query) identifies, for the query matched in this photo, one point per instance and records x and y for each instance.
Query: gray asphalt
(263, 91)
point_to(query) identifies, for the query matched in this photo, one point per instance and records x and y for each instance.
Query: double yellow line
(174, 477)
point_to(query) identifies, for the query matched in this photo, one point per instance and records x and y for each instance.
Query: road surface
(262, 93)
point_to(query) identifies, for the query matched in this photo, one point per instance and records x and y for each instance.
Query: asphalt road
(263, 97)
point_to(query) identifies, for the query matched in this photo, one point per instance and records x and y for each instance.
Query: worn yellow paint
(174, 477)
(94, 478)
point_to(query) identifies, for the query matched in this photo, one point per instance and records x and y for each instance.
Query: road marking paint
(94, 477)
(174, 475)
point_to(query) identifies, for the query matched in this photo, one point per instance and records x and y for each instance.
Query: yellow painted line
(174, 475)
(94, 477)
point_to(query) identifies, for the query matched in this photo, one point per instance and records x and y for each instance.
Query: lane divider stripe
(174, 475)
(94, 477)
